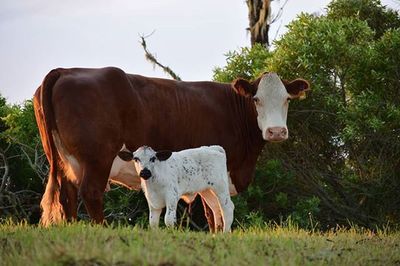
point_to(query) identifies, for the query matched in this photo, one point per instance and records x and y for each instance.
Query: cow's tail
(52, 209)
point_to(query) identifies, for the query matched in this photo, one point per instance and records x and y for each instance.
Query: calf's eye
(256, 100)
(152, 159)
(136, 159)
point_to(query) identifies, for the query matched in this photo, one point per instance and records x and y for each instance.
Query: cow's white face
(272, 102)
(271, 97)
(145, 159)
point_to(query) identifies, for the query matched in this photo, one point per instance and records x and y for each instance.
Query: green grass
(84, 244)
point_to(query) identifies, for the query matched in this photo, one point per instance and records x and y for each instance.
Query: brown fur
(296, 87)
(53, 211)
(95, 111)
(209, 216)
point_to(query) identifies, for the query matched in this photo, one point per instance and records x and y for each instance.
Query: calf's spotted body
(168, 176)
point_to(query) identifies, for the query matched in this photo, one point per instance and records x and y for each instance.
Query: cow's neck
(246, 126)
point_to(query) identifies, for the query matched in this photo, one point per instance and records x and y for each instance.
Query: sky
(189, 36)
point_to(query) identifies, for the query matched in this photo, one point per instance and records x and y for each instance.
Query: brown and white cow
(85, 116)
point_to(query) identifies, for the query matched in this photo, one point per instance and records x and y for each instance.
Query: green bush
(246, 63)
(341, 161)
(304, 211)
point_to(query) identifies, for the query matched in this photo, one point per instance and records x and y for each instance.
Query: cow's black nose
(145, 174)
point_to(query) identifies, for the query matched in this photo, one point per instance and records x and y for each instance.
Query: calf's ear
(125, 155)
(297, 88)
(244, 88)
(163, 155)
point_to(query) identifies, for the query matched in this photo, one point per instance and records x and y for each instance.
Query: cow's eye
(136, 159)
(152, 159)
(256, 100)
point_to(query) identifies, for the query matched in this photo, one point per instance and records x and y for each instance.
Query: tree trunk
(259, 20)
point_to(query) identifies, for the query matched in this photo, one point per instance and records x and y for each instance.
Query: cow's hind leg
(208, 212)
(92, 190)
(69, 199)
(214, 217)
(221, 191)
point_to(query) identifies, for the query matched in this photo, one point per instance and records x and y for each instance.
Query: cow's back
(88, 107)
(179, 115)
(96, 111)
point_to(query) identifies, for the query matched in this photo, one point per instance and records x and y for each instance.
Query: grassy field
(84, 244)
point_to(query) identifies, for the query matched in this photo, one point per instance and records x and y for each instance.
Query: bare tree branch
(5, 178)
(152, 59)
(38, 163)
(280, 12)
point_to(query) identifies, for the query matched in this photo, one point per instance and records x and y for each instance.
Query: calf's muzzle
(145, 174)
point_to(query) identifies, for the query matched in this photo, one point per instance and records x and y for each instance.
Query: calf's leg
(154, 217)
(227, 208)
(170, 213)
(220, 189)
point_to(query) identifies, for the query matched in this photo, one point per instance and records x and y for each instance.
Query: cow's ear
(297, 88)
(244, 88)
(125, 155)
(163, 155)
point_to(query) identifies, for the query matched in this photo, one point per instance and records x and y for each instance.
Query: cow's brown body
(96, 111)
(85, 116)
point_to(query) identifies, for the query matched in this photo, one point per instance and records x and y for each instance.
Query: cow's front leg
(154, 217)
(170, 213)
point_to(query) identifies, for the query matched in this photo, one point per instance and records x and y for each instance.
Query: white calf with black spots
(168, 176)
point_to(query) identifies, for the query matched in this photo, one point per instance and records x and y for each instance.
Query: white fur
(273, 106)
(72, 169)
(122, 173)
(187, 172)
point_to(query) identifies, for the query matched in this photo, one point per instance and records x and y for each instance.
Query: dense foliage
(23, 165)
(341, 163)
(342, 160)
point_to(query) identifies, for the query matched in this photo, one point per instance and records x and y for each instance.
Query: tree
(377, 16)
(355, 90)
(247, 63)
(22, 161)
(341, 162)
(259, 21)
